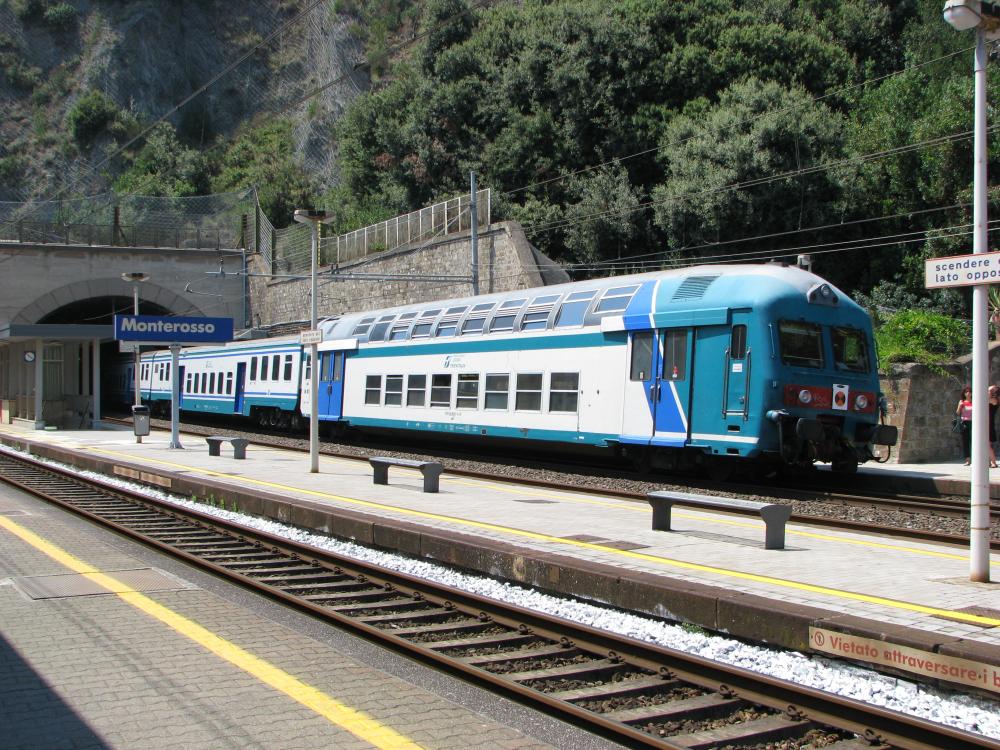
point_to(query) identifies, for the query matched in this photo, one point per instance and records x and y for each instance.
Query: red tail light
(822, 398)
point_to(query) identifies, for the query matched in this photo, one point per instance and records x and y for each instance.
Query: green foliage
(91, 114)
(165, 167)
(921, 336)
(264, 156)
(20, 74)
(11, 169)
(61, 17)
(28, 10)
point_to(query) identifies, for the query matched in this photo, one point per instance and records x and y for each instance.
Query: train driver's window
(574, 308)
(497, 392)
(642, 355)
(373, 389)
(850, 350)
(801, 343)
(441, 391)
(529, 392)
(253, 368)
(675, 354)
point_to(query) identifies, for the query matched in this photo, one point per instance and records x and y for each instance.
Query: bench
(775, 516)
(431, 470)
(215, 445)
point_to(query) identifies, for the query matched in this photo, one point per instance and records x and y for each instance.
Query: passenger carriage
(697, 366)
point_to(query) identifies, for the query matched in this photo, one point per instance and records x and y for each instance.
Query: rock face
(149, 56)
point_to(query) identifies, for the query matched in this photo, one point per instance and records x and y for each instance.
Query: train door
(241, 376)
(661, 363)
(331, 384)
(736, 369)
(180, 386)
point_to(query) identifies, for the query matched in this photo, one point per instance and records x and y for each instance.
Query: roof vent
(693, 287)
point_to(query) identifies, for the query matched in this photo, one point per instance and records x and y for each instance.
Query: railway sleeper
(349, 597)
(510, 657)
(628, 688)
(488, 640)
(365, 608)
(408, 617)
(748, 733)
(600, 669)
(329, 588)
(416, 632)
(695, 708)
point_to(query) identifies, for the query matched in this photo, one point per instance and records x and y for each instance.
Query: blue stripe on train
(562, 436)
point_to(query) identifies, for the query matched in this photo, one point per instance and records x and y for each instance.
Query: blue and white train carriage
(692, 367)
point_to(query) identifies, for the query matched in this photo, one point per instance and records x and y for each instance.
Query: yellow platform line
(628, 554)
(356, 722)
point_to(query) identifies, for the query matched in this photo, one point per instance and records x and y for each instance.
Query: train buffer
(774, 515)
(239, 445)
(431, 470)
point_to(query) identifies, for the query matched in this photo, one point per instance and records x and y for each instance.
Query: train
(707, 367)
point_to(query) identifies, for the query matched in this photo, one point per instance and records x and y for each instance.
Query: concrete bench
(431, 470)
(775, 516)
(215, 445)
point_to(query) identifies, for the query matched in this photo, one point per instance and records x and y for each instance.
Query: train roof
(631, 297)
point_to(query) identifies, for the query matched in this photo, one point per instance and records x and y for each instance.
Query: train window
(564, 393)
(447, 327)
(288, 367)
(393, 390)
(616, 299)
(362, 327)
(850, 350)
(408, 316)
(211, 383)
(801, 344)
(416, 390)
(642, 355)
(421, 330)
(338, 368)
(187, 383)
(379, 329)
(503, 322)
(275, 367)
(529, 393)
(675, 354)
(497, 391)
(253, 368)
(573, 308)
(398, 332)
(456, 310)
(535, 320)
(229, 384)
(441, 390)
(485, 307)
(373, 389)
(738, 342)
(467, 396)
(203, 386)
(473, 325)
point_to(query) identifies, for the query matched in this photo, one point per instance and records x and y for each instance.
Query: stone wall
(922, 403)
(506, 261)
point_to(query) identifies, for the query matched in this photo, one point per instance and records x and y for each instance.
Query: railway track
(811, 505)
(637, 693)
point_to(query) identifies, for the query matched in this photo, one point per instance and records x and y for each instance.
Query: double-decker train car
(675, 369)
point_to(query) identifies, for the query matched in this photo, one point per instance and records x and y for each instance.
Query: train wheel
(273, 418)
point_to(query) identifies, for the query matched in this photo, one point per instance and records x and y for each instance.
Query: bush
(28, 10)
(921, 336)
(91, 114)
(61, 17)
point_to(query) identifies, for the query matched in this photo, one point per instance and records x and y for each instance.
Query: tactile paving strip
(75, 584)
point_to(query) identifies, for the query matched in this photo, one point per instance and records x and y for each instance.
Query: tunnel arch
(100, 298)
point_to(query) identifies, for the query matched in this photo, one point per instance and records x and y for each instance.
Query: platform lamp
(136, 278)
(965, 15)
(314, 217)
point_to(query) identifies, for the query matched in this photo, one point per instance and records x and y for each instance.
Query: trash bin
(140, 420)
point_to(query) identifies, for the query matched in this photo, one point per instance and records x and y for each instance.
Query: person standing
(994, 399)
(964, 413)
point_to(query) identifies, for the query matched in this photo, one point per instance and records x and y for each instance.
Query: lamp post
(964, 15)
(309, 216)
(136, 278)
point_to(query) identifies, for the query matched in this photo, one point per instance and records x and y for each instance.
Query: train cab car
(697, 367)
(260, 379)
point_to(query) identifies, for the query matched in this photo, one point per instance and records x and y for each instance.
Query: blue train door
(331, 384)
(661, 362)
(736, 370)
(241, 376)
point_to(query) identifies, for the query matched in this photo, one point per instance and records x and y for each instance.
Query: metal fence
(112, 235)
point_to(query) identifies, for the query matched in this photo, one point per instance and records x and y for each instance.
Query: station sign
(152, 329)
(311, 337)
(962, 270)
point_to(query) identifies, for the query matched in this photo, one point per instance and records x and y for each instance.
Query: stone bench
(774, 515)
(215, 445)
(431, 470)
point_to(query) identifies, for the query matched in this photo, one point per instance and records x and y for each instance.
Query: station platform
(900, 606)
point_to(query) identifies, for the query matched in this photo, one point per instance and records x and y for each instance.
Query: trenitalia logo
(170, 330)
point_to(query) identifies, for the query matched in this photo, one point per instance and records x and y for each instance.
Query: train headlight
(861, 402)
(805, 396)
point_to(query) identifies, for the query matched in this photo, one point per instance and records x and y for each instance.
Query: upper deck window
(379, 329)
(616, 299)
(536, 317)
(801, 344)
(449, 322)
(573, 308)
(362, 327)
(504, 318)
(850, 350)
(422, 328)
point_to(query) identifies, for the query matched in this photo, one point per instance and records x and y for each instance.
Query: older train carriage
(698, 366)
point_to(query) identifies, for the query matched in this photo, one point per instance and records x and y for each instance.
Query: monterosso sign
(913, 660)
(962, 270)
(151, 329)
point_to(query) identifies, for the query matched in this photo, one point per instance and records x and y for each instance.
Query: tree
(164, 167)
